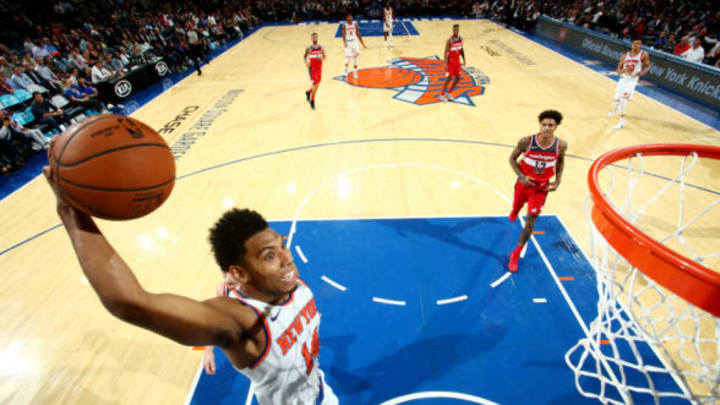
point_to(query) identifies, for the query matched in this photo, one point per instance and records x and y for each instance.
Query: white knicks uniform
(388, 23)
(352, 48)
(287, 371)
(626, 84)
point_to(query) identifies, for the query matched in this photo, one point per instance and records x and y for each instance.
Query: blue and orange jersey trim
(266, 328)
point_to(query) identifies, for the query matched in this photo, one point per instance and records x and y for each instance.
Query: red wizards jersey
(456, 47)
(315, 54)
(538, 163)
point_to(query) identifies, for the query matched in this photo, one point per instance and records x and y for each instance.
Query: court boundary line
(193, 387)
(573, 309)
(679, 383)
(340, 175)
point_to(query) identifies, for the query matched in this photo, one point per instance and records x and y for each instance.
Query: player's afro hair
(552, 114)
(229, 234)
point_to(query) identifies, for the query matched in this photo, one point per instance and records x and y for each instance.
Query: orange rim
(688, 279)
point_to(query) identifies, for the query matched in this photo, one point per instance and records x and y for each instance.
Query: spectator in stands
(175, 56)
(681, 47)
(46, 113)
(19, 80)
(39, 50)
(30, 138)
(28, 45)
(10, 158)
(100, 73)
(5, 67)
(92, 92)
(696, 53)
(58, 63)
(107, 63)
(38, 79)
(5, 87)
(50, 48)
(75, 60)
(28, 59)
(661, 42)
(46, 73)
(14, 60)
(78, 97)
(118, 64)
(137, 56)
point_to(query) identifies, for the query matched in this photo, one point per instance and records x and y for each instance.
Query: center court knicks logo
(420, 80)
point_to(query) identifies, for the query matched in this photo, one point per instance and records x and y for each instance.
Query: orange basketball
(113, 167)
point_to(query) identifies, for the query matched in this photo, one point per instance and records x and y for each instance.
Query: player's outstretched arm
(179, 318)
(521, 147)
(559, 166)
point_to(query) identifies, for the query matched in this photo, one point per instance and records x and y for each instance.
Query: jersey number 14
(311, 355)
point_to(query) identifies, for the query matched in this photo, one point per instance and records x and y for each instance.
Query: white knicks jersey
(388, 16)
(633, 63)
(351, 31)
(286, 372)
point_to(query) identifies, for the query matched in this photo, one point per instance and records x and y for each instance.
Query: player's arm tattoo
(447, 50)
(519, 149)
(620, 65)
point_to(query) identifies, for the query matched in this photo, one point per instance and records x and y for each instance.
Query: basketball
(113, 167)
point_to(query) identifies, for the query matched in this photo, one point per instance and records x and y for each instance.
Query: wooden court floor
(247, 138)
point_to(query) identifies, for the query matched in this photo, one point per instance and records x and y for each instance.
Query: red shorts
(454, 68)
(533, 195)
(316, 75)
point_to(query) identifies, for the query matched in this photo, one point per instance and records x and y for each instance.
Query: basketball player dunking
(453, 51)
(351, 36)
(543, 157)
(632, 65)
(388, 24)
(267, 327)
(314, 57)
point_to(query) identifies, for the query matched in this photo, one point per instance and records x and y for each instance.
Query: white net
(647, 345)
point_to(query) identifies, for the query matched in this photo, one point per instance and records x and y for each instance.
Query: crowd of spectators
(67, 49)
(54, 60)
(690, 29)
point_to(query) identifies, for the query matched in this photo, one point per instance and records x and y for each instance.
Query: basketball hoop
(657, 333)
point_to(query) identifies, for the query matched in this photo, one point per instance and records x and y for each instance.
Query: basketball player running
(268, 327)
(314, 57)
(388, 24)
(543, 157)
(453, 51)
(351, 36)
(632, 65)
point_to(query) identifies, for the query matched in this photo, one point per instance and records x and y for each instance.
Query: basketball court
(396, 208)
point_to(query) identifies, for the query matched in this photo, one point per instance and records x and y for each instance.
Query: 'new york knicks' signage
(420, 80)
